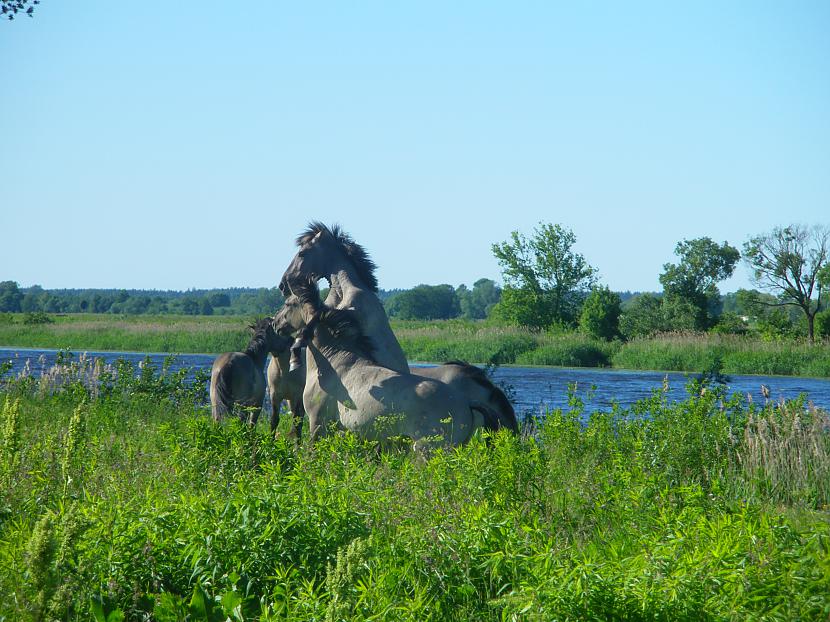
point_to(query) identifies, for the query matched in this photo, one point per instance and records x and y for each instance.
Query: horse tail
(221, 396)
(498, 402)
(491, 418)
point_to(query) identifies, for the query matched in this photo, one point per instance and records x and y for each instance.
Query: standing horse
(332, 254)
(287, 385)
(237, 381)
(380, 403)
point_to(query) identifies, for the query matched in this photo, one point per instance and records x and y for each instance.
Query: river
(532, 389)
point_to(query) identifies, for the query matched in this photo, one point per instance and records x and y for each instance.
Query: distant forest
(422, 302)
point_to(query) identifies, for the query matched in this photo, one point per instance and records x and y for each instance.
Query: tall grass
(209, 334)
(703, 510)
(439, 341)
(739, 355)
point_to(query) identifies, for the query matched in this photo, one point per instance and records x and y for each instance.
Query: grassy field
(121, 499)
(439, 341)
(138, 333)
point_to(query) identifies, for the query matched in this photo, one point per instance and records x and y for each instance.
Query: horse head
(323, 251)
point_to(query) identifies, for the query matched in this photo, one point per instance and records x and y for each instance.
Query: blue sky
(186, 144)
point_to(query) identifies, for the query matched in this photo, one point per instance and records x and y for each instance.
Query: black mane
(260, 341)
(355, 252)
(346, 331)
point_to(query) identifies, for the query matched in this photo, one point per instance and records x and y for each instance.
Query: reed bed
(129, 503)
(738, 355)
(439, 341)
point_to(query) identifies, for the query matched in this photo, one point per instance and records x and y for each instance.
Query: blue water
(532, 389)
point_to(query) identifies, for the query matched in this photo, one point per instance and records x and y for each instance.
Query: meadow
(438, 341)
(120, 499)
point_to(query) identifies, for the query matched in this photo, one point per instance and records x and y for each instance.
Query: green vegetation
(438, 341)
(693, 281)
(120, 499)
(545, 280)
(739, 355)
(167, 333)
(793, 262)
(232, 301)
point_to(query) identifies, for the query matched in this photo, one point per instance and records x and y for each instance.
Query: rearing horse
(332, 254)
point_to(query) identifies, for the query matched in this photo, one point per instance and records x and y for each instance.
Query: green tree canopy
(477, 303)
(792, 263)
(10, 297)
(648, 314)
(545, 280)
(600, 316)
(425, 302)
(703, 263)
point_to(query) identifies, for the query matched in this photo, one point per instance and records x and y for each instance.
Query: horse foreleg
(274, 420)
(297, 412)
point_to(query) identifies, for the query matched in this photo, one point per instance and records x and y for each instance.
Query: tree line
(231, 301)
(549, 286)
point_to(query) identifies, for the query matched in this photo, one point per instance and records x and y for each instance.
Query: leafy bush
(37, 317)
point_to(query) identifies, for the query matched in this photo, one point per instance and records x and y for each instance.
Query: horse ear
(317, 236)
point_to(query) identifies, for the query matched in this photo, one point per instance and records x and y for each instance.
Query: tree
(600, 316)
(10, 297)
(219, 299)
(425, 302)
(11, 8)
(648, 314)
(703, 263)
(792, 263)
(477, 303)
(545, 281)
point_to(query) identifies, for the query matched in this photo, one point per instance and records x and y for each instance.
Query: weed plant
(121, 499)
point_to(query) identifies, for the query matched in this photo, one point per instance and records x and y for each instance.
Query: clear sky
(185, 144)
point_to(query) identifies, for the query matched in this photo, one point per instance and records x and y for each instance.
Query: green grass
(438, 341)
(138, 333)
(739, 355)
(128, 502)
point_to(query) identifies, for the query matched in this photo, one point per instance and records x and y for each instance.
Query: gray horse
(321, 405)
(332, 254)
(284, 384)
(379, 403)
(237, 381)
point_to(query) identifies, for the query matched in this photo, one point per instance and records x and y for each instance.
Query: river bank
(437, 341)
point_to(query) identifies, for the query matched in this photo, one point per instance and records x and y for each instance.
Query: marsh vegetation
(121, 499)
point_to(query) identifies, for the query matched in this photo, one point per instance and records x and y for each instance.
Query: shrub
(37, 317)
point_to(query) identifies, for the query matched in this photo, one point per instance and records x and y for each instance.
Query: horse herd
(338, 363)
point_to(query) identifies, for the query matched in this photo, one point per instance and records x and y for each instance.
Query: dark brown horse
(237, 379)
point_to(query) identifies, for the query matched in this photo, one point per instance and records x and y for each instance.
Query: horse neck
(346, 278)
(258, 351)
(373, 320)
(332, 367)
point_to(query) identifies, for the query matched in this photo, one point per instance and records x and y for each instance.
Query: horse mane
(307, 293)
(259, 339)
(346, 332)
(363, 264)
